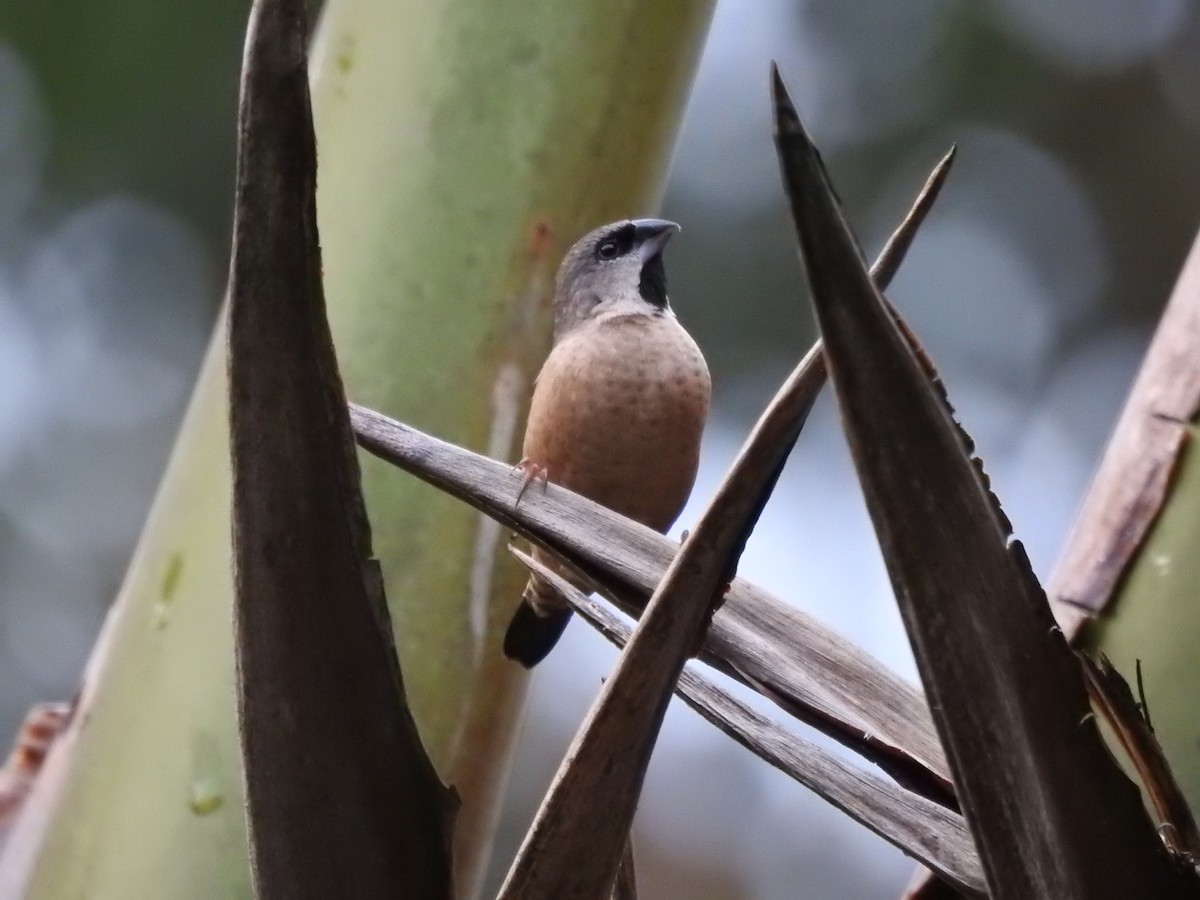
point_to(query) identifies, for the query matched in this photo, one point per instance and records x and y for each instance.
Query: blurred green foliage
(141, 97)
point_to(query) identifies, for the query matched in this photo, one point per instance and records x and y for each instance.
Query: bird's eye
(608, 250)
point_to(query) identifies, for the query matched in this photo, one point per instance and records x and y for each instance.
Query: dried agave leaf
(755, 635)
(1051, 813)
(341, 798)
(1133, 479)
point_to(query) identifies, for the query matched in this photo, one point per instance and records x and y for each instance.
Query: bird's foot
(533, 472)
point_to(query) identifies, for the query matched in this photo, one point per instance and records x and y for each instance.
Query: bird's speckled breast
(617, 415)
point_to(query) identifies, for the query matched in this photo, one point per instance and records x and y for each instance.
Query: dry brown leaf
(1051, 813)
(1133, 480)
(754, 634)
(341, 798)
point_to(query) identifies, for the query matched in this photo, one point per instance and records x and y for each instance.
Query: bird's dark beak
(651, 235)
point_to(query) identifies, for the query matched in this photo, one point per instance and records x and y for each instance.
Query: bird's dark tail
(531, 636)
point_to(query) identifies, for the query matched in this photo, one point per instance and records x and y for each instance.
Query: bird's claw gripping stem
(533, 472)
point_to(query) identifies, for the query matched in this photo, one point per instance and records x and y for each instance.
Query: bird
(619, 406)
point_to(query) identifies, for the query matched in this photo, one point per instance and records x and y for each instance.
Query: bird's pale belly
(617, 416)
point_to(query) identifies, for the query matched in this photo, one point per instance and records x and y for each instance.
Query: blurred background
(1034, 285)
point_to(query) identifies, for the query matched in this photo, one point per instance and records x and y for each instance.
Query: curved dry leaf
(341, 798)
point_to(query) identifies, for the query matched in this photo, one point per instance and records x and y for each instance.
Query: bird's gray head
(615, 270)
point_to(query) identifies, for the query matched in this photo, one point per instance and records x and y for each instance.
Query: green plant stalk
(520, 126)
(463, 144)
(150, 798)
(1155, 618)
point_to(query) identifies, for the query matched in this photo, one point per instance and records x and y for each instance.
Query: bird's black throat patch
(653, 283)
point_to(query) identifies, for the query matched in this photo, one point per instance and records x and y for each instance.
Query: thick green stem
(462, 145)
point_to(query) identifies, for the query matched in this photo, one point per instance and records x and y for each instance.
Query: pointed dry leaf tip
(811, 195)
(884, 270)
(786, 119)
(897, 245)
